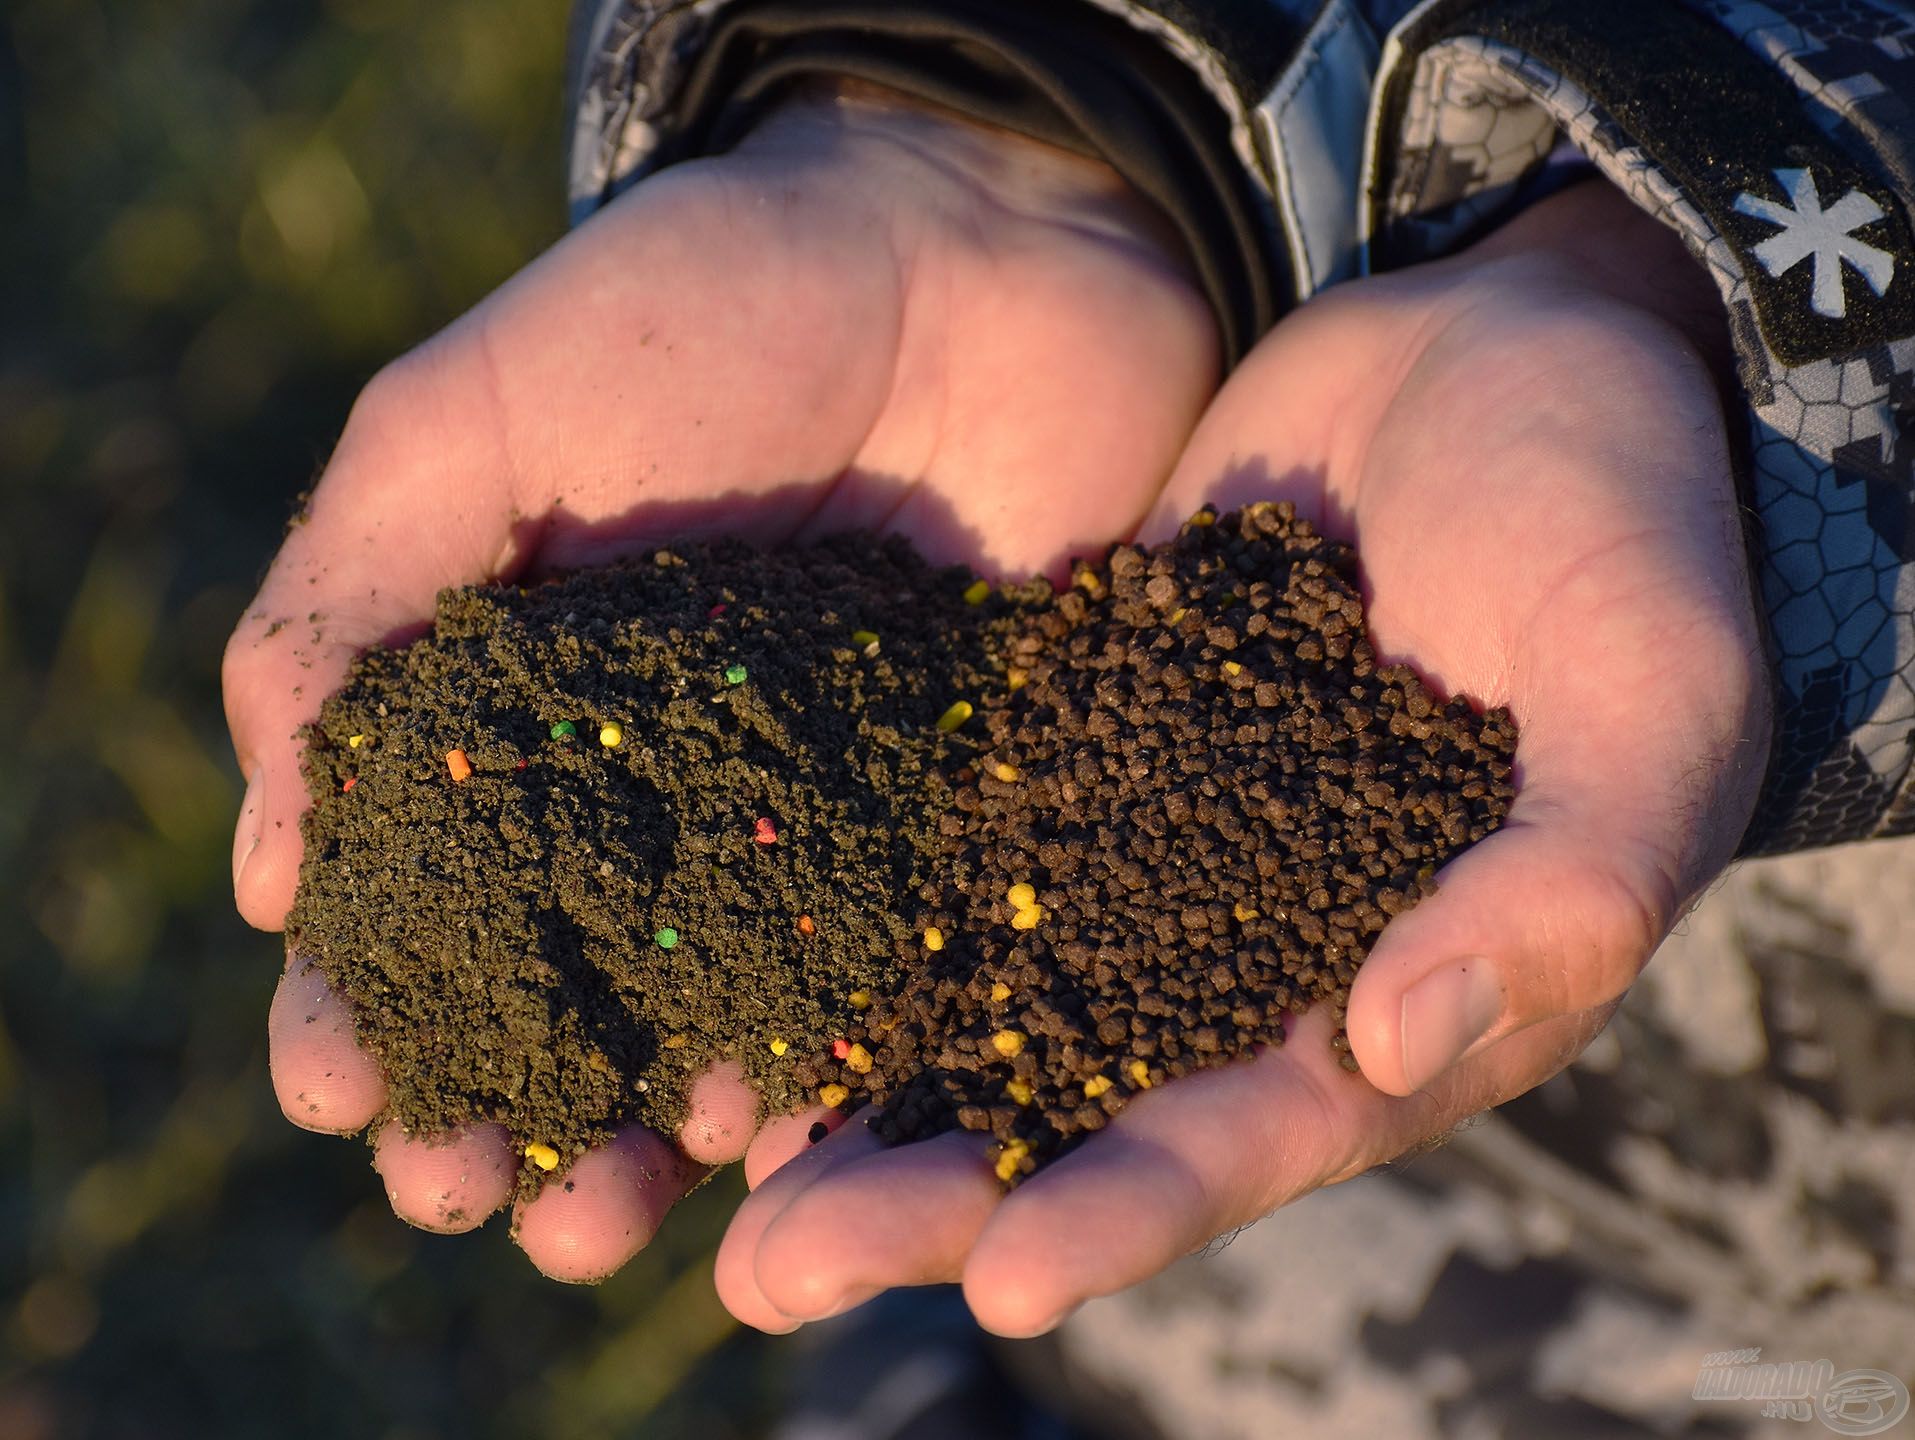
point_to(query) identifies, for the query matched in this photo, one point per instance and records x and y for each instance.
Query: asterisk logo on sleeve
(1825, 236)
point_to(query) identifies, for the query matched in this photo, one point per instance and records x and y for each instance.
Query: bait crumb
(1024, 856)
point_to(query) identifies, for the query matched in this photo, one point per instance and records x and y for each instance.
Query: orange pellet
(807, 926)
(457, 763)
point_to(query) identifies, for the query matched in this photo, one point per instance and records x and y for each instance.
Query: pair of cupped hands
(870, 314)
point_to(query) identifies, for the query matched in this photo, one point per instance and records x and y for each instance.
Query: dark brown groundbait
(1183, 805)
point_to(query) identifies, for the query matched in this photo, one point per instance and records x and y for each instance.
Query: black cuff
(1100, 88)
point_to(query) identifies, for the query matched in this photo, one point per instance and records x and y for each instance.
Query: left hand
(1532, 459)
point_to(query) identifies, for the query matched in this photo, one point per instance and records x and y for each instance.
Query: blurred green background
(217, 219)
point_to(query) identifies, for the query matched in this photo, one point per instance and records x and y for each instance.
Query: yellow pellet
(610, 733)
(860, 999)
(955, 716)
(1007, 1043)
(1018, 1091)
(778, 1047)
(1203, 517)
(1087, 581)
(1022, 897)
(1000, 991)
(1243, 912)
(864, 639)
(1140, 1074)
(977, 592)
(858, 1060)
(1097, 1085)
(833, 1094)
(1015, 678)
(1232, 668)
(675, 1042)
(355, 741)
(933, 938)
(1027, 918)
(543, 1156)
(1178, 614)
(1008, 1158)
(1006, 773)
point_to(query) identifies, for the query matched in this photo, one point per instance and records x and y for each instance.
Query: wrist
(932, 153)
(1593, 237)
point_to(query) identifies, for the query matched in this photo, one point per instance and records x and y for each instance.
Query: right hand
(867, 315)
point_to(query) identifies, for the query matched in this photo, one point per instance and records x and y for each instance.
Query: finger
(582, 1228)
(781, 1140)
(1213, 1151)
(734, 1272)
(445, 1183)
(721, 1115)
(904, 1216)
(495, 443)
(323, 1079)
(1177, 1165)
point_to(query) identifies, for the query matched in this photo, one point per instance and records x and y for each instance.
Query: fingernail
(1445, 1013)
(1051, 1324)
(850, 1300)
(246, 835)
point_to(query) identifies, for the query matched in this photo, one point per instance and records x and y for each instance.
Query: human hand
(1533, 464)
(868, 315)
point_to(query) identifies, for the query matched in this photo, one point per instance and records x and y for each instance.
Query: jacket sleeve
(1297, 143)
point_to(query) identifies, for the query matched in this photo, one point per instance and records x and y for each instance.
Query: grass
(221, 216)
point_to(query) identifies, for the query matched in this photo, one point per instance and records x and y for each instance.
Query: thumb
(1551, 915)
(1556, 913)
(408, 504)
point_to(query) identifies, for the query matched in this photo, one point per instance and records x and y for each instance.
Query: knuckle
(1614, 910)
